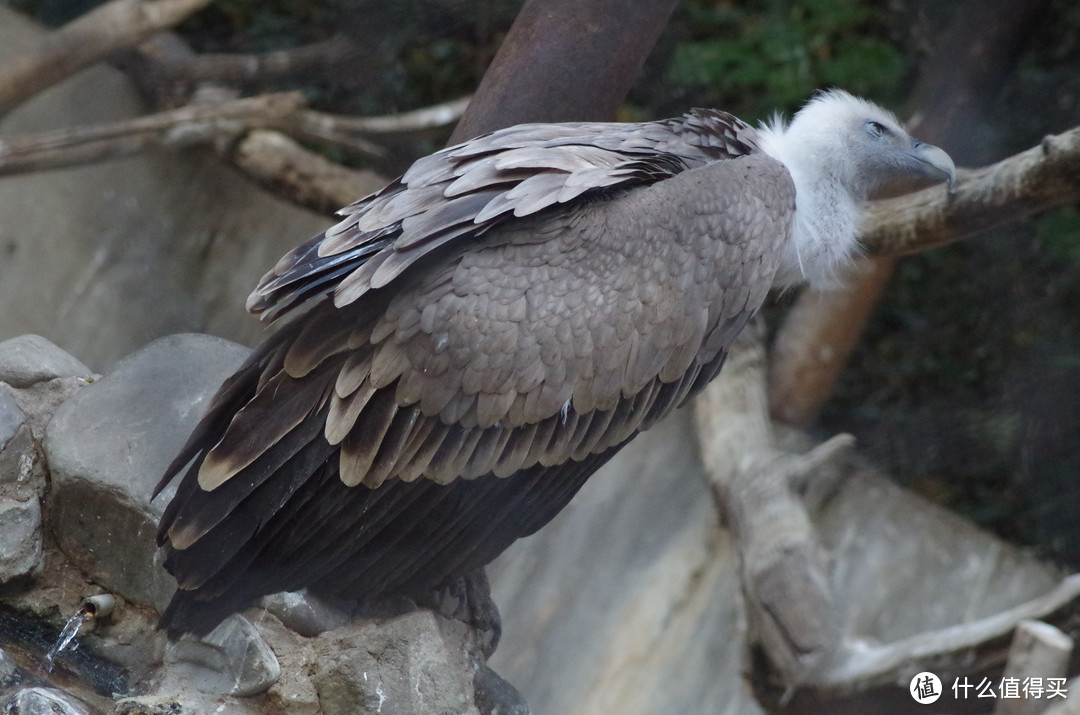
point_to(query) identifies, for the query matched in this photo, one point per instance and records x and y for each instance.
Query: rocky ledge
(79, 457)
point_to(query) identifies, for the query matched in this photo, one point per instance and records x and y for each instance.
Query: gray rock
(627, 602)
(306, 613)
(10, 675)
(40, 401)
(20, 463)
(46, 701)
(495, 696)
(232, 659)
(18, 455)
(107, 447)
(30, 359)
(415, 664)
(11, 417)
(20, 537)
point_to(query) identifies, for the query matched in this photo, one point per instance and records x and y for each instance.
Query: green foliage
(243, 25)
(1058, 233)
(779, 52)
(52, 12)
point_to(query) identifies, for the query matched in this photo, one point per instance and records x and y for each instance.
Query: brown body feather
(503, 319)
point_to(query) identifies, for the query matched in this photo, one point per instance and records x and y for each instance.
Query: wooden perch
(187, 126)
(233, 68)
(864, 664)
(299, 175)
(813, 343)
(253, 133)
(786, 577)
(1038, 650)
(116, 25)
(350, 131)
(1022, 185)
(212, 123)
(784, 574)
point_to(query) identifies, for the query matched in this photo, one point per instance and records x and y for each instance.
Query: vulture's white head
(841, 151)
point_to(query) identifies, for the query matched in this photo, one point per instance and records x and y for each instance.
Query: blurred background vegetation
(966, 386)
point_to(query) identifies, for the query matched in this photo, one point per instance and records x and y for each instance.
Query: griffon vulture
(481, 335)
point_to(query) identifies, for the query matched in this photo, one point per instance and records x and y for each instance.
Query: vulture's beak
(914, 165)
(936, 164)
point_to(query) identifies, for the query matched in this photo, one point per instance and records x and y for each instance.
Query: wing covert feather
(513, 172)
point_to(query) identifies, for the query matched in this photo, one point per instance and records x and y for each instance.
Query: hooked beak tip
(938, 164)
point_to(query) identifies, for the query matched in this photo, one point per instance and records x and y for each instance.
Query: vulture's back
(499, 322)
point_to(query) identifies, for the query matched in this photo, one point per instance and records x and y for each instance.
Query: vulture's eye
(876, 129)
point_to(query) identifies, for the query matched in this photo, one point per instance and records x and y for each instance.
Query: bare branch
(576, 60)
(816, 339)
(299, 175)
(1023, 185)
(418, 120)
(1038, 650)
(864, 663)
(232, 68)
(213, 123)
(113, 26)
(350, 131)
(784, 574)
(187, 126)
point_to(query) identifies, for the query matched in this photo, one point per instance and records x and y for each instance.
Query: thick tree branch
(1038, 650)
(187, 126)
(113, 26)
(347, 131)
(197, 124)
(862, 664)
(1022, 185)
(232, 68)
(784, 570)
(299, 175)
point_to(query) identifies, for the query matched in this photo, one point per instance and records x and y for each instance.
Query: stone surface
(107, 447)
(29, 359)
(103, 258)
(628, 601)
(46, 701)
(495, 696)
(415, 664)
(20, 537)
(17, 451)
(305, 613)
(9, 671)
(11, 417)
(233, 659)
(20, 462)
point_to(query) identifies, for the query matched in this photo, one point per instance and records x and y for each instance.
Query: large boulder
(107, 448)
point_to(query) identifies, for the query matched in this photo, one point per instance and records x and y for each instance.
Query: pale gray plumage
(493, 326)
